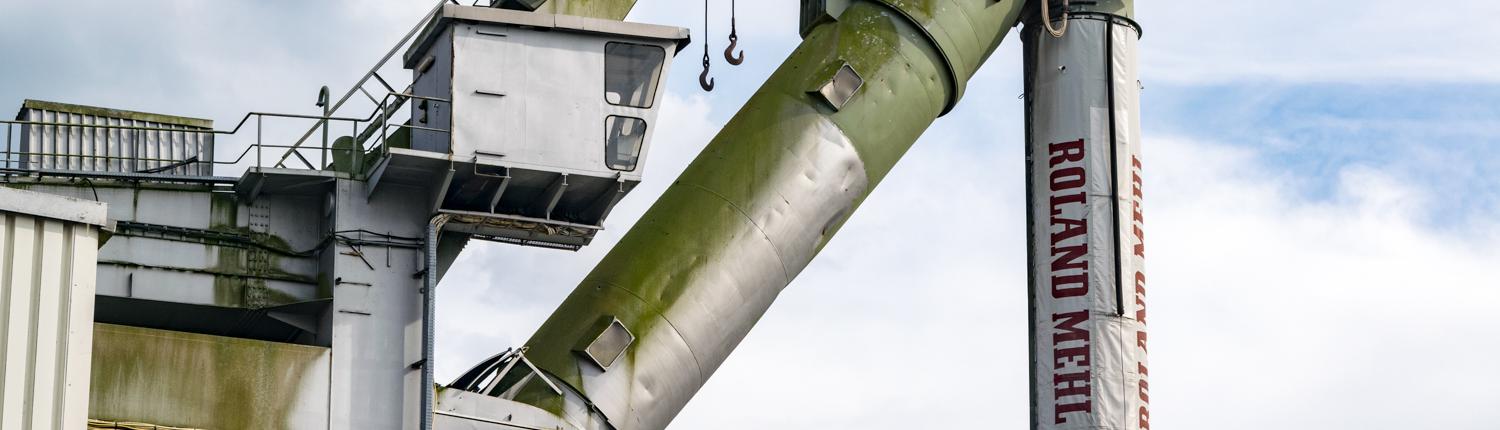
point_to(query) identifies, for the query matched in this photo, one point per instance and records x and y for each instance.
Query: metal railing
(374, 72)
(376, 123)
(16, 159)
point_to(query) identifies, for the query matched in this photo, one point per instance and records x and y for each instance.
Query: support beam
(711, 255)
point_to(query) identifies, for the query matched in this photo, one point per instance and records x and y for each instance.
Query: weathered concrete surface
(200, 381)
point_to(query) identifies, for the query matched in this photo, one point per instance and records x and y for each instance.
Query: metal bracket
(818, 12)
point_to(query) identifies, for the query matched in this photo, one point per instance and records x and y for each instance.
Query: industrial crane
(528, 121)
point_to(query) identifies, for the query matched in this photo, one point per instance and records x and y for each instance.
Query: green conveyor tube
(602, 9)
(704, 263)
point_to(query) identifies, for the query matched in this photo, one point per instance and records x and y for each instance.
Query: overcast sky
(1322, 205)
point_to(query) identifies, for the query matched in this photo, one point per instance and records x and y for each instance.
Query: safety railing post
(353, 153)
(323, 155)
(385, 148)
(258, 147)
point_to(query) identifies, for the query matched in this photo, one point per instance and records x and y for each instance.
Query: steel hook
(729, 55)
(703, 80)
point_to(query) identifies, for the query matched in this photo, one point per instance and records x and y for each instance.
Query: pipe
(429, 302)
(602, 9)
(704, 263)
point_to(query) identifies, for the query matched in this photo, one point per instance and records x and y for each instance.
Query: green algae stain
(201, 381)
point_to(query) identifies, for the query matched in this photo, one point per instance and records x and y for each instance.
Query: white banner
(1086, 232)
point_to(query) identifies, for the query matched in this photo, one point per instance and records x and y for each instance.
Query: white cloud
(1266, 310)
(1269, 311)
(1195, 42)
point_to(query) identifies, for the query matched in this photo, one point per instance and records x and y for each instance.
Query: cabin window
(623, 137)
(631, 73)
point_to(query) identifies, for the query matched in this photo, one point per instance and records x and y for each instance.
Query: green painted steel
(709, 257)
(200, 381)
(1122, 8)
(603, 9)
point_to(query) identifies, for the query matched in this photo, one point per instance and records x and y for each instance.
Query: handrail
(236, 128)
(374, 71)
(353, 121)
(379, 119)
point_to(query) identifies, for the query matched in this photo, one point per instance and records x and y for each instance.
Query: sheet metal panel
(113, 142)
(47, 270)
(529, 99)
(1087, 255)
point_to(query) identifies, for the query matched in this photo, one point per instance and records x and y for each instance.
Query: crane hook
(703, 80)
(734, 38)
(729, 55)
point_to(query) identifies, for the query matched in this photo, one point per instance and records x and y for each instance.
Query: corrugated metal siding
(100, 149)
(46, 321)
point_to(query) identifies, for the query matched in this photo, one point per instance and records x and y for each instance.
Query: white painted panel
(99, 144)
(46, 312)
(1088, 319)
(537, 98)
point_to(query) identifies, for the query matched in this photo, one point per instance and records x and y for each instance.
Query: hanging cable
(1047, 18)
(703, 80)
(734, 39)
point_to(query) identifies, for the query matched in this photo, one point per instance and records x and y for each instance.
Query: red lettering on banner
(1059, 200)
(1141, 368)
(1067, 178)
(1071, 384)
(1137, 218)
(1071, 328)
(1070, 264)
(1065, 151)
(1138, 227)
(1140, 301)
(1065, 357)
(1068, 324)
(1072, 390)
(1145, 410)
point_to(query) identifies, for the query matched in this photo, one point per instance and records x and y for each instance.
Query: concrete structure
(48, 246)
(207, 382)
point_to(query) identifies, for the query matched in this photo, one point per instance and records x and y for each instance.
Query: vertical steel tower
(1087, 282)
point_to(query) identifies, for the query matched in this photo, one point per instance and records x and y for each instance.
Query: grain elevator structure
(281, 271)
